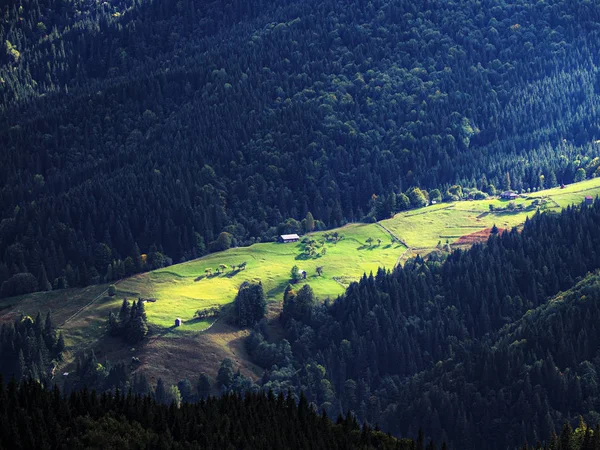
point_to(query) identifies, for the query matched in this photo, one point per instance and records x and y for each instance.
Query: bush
(223, 242)
(19, 284)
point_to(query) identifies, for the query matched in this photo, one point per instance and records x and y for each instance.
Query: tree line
(32, 416)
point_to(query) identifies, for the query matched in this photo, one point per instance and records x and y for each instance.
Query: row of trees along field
(138, 133)
(472, 348)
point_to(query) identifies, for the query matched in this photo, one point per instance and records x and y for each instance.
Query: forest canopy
(135, 135)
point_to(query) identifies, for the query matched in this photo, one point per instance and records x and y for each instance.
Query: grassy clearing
(180, 290)
(424, 228)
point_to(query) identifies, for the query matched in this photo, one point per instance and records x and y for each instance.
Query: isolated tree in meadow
(378, 241)
(369, 241)
(223, 267)
(295, 274)
(319, 270)
(112, 290)
(208, 272)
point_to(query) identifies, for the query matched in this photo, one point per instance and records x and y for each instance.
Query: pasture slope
(180, 290)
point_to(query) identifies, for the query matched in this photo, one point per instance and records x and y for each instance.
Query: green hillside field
(182, 289)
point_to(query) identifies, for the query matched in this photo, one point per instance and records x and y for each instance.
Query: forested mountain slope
(480, 350)
(151, 127)
(34, 417)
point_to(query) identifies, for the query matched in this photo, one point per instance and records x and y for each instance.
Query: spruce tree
(43, 282)
(204, 385)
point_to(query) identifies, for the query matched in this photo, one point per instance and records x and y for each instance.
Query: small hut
(509, 195)
(178, 322)
(285, 238)
(589, 200)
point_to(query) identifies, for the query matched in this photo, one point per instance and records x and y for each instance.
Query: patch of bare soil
(478, 236)
(174, 356)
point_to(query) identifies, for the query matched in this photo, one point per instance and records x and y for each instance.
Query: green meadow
(180, 290)
(424, 228)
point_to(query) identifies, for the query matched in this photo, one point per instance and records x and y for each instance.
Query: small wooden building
(178, 322)
(285, 238)
(589, 200)
(509, 195)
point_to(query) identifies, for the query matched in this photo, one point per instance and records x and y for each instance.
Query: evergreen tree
(43, 282)
(204, 385)
(160, 393)
(506, 183)
(250, 304)
(225, 375)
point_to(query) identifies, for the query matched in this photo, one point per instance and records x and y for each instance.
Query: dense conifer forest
(135, 134)
(30, 348)
(138, 134)
(482, 349)
(34, 417)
